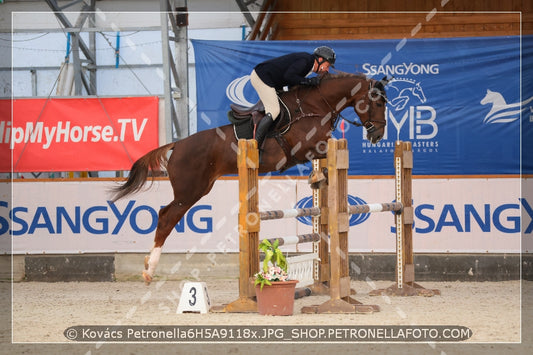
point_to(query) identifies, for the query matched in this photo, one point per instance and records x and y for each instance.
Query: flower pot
(276, 299)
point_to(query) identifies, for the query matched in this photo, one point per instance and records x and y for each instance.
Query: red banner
(78, 134)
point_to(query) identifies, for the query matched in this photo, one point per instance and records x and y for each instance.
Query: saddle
(243, 111)
(245, 118)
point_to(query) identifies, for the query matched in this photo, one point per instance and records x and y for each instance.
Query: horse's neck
(340, 92)
(337, 93)
(302, 95)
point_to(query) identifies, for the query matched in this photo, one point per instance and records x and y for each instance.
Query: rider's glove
(314, 81)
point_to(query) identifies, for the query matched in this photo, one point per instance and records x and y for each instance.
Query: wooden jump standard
(338, 220)
(249, 226)
(405, 269)
(338, 225)
(332, 216)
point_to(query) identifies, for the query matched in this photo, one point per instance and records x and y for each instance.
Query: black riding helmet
(327, 54)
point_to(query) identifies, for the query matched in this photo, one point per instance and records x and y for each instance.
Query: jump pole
(332, 201)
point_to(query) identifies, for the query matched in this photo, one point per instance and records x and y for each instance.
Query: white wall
(87, 222)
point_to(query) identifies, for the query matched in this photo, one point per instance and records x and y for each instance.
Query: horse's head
(493, 97)
(418, 92)
(366, 96)
(371, 109)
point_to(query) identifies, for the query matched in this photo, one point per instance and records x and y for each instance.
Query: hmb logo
(407, 109)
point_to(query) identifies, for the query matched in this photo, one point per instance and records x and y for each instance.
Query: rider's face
(323, 67)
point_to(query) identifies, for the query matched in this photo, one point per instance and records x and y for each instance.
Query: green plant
(277, 271)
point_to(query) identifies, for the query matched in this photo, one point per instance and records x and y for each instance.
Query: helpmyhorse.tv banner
(458, 100)
(78, 134)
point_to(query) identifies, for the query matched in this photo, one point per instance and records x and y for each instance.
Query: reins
(336, 114)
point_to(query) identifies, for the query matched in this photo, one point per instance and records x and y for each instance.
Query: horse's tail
(154, 161)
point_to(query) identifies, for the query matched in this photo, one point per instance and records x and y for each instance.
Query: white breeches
(267, 94)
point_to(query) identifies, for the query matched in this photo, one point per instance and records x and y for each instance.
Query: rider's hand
(314, 81)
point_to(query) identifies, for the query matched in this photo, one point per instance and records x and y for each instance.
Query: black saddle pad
(243, 127)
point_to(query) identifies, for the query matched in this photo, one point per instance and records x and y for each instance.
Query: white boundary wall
(451, 215)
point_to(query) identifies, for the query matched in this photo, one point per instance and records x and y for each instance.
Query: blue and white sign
(458, 100)
(473, 215)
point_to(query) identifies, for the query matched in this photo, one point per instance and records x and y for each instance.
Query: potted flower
(273, 289)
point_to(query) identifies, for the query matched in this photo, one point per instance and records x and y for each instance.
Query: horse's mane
(379, 85)
(340, 74)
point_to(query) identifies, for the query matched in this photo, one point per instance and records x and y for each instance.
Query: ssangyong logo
(355, 219)
(400, 69)
(235, 91)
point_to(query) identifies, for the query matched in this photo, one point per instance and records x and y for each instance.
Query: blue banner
(458, 100)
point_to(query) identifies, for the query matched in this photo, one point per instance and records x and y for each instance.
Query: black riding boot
(262, 129)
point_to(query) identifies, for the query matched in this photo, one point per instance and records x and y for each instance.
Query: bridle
(370, 124)
(332, 117)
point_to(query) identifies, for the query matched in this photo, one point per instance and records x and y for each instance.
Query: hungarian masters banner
(462, 102)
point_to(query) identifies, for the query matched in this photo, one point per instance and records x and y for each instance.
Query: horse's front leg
(150, 263)
(169, 216)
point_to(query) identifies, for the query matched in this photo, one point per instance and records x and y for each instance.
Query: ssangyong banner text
(77, 134)
(460, 101)
(456, 216)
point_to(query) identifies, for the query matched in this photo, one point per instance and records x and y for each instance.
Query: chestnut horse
(197, 161)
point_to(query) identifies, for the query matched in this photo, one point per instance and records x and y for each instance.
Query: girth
(287, 149)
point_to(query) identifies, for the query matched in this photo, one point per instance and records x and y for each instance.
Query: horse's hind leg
(169, 216)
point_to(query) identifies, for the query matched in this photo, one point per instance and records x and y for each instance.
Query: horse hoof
(147, 278)
(317, 179)
(146, 259)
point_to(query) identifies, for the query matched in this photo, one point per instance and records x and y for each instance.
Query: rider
(287, 70)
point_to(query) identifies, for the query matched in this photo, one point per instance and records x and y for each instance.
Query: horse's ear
(380, 85)
(386, 80)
